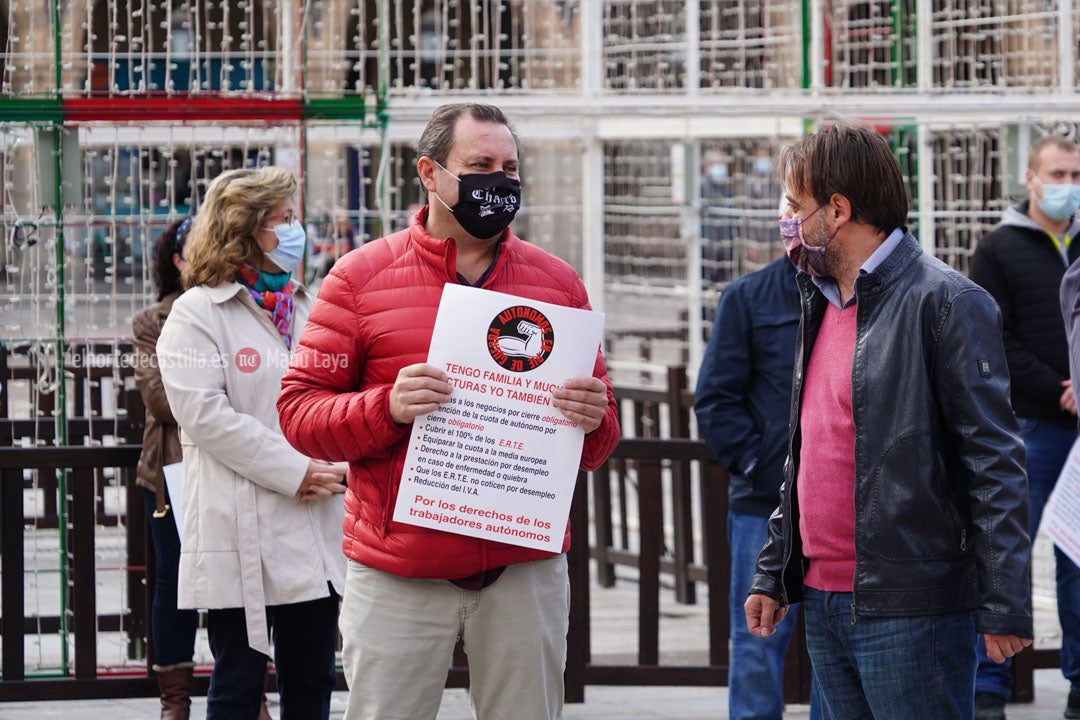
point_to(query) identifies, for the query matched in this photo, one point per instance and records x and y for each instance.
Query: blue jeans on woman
(890, 668)
(1047, 446)
(756, 669)
(173, 630)
(305, 638)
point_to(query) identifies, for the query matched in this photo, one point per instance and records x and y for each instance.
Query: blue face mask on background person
(718, 172)
(1060, 201)
(292, 242)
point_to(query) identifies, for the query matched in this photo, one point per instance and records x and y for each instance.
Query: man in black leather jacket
(902, 520)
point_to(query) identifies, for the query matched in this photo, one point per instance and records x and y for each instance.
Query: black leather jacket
(940, 488)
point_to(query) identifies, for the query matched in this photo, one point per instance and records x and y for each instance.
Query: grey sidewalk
(614, 627)
(601, 703)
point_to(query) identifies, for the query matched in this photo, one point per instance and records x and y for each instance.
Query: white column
(925, 186)
(690, 234)
(693, 48)
(592, 219)
(287, 49)
(817, 46)
(592, 51)
(592, 157)
(1066, 46)
(924, 57)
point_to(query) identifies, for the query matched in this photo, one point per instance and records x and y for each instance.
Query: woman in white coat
(261, 531)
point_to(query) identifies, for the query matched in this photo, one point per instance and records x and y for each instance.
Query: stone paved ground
(614, 634)
(601, 703)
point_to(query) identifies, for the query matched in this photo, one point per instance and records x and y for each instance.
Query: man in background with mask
(1021, 262)
(411, 592)
(761, 191)
(902, 517)
(717, 213)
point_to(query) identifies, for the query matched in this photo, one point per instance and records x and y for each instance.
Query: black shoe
(989, 706)
(1072, 708)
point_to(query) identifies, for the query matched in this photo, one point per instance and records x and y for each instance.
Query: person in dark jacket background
(173, 630)
(742, 402)
(1021, 262)
(902, 520)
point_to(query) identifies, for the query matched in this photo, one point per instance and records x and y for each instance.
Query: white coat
(249, 541)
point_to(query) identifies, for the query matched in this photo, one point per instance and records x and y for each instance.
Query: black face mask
(487, 202)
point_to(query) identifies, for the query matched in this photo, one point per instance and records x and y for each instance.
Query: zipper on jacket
(952, 508)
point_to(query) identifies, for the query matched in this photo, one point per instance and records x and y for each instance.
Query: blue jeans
(173, 630)
(305, 638)
(756, 670)
(1047, 447)
(890, 668)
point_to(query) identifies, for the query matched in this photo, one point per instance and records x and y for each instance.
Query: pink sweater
(826, 479)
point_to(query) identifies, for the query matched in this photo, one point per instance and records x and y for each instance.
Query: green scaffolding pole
(898, 42)
(61, 331)
(43, 114)
(807, 123)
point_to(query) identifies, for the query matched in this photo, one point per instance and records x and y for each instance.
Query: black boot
(1072, 709)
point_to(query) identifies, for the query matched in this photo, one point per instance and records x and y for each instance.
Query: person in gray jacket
(1068, 573)
(902, 519)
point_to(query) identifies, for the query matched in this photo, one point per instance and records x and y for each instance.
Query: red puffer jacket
(374, 315)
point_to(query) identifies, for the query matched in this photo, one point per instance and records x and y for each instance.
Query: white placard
(174, 481)
(1061, 516)
(499, 461)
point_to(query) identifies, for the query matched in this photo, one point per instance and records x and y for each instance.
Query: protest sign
(499, 461)
(1061, 516)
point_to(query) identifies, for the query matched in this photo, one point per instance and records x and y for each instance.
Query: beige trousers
(399, 634)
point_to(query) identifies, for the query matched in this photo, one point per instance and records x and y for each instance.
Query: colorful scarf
(278, 304)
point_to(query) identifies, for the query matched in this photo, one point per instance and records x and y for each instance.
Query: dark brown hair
(855, 162)
(438, 136)
(163, 272)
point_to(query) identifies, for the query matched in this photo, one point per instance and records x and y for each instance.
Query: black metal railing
(656, 509)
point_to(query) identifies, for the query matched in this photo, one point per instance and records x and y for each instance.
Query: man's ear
(1029, 179)
(839, 208)
(425, 168)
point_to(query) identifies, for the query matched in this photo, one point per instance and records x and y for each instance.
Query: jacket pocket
(911, 517)
(773, 338)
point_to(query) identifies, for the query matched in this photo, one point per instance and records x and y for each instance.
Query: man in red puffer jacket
(357, 381)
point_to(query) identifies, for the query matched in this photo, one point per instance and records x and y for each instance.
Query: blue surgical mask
(718, 172)
(292, 242)
(1060, 201)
